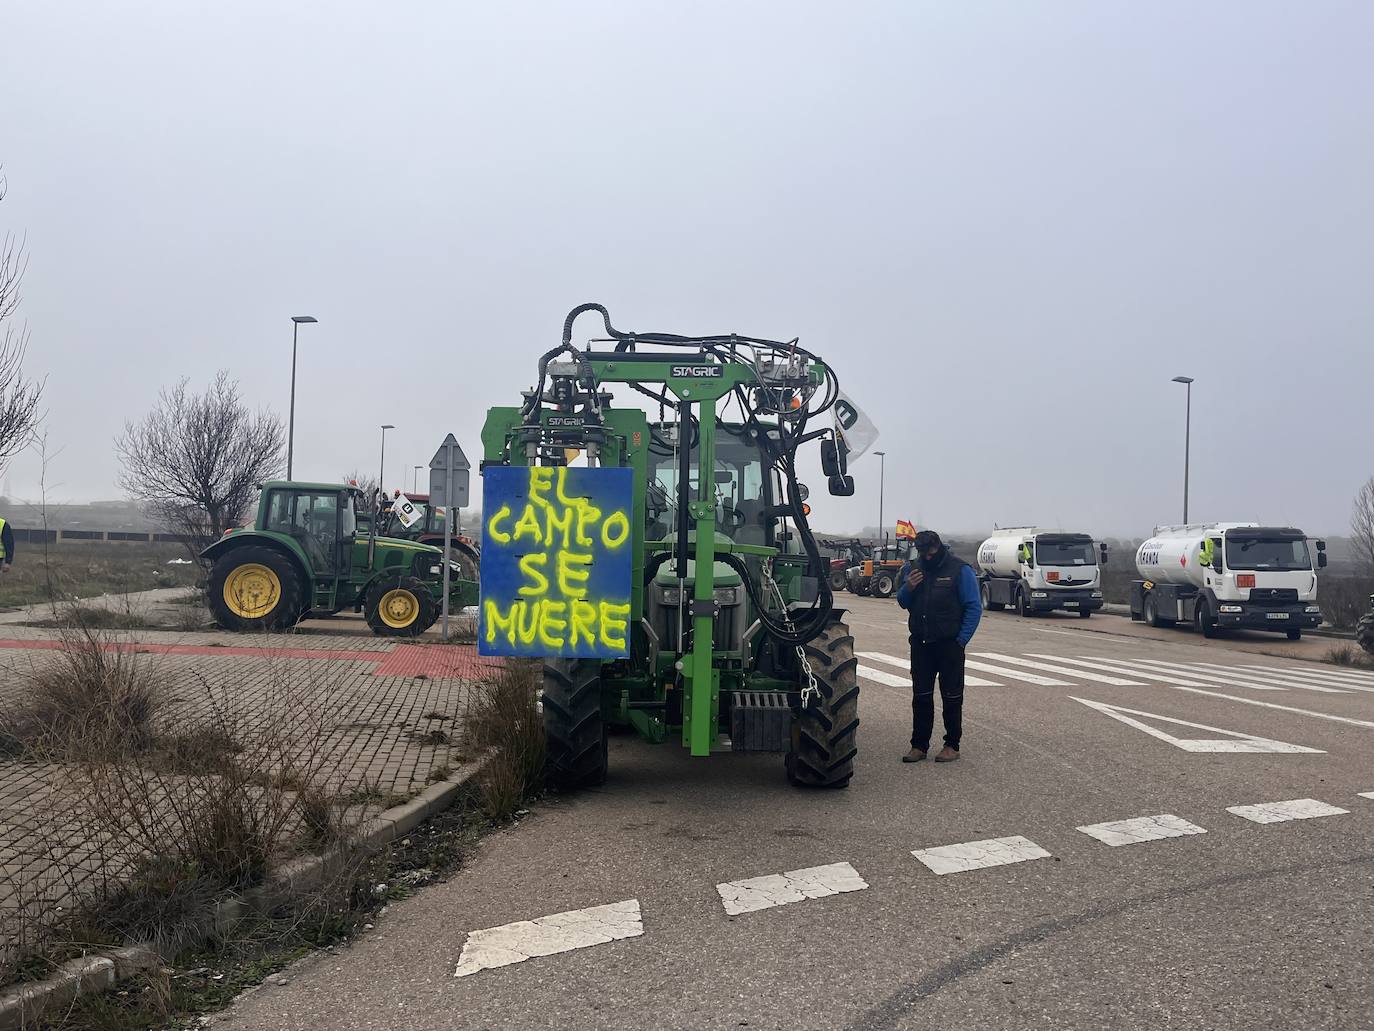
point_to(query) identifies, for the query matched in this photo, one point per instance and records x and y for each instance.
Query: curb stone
(24, 1006)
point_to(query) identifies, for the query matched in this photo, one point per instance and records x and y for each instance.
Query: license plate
(1070, 604)
(1276, 615)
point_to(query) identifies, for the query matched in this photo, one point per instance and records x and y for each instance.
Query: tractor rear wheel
(1364, 632)
(256, 588)
(401, 606)
(573, 727)
(824, 736)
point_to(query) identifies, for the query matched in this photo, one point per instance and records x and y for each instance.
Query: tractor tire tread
(824, 736)
(288, 612)
(573, 727)
(428, 607)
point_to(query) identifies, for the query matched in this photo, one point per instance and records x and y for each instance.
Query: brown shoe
(913, 756)
(947, 755)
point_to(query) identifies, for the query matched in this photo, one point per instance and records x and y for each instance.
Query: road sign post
(448, 488)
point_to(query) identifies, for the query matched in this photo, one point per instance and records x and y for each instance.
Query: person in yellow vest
(6, 545)
(1207, 553)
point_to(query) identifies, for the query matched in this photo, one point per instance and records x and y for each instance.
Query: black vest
(936, 613)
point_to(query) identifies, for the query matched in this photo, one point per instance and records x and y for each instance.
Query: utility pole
(882, 479)
(296, 321)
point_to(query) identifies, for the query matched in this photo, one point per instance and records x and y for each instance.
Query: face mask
(931, 563)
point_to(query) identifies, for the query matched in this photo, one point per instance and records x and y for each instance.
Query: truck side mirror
(1102, 550)
(1321, 560)
(842, 486)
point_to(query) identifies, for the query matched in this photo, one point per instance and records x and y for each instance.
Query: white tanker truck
(1039, 570)
(1225, 575)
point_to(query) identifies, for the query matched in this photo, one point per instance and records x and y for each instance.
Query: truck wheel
(985, 596)
(824, 737)
(1295, 635)
(1085, 613)
(988, 603)
(401, 606)
(256, 588)
(1364, 632)
(1203, 620)
(838, 582)
(884, 585)
(1023, 606)
(573, 728)
(1152, 616)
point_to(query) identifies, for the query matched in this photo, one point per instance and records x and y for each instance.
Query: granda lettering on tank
(556, 562)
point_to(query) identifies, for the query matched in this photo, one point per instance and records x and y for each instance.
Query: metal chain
(810, 692)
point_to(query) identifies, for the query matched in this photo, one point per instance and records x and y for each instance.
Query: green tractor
(733, 638)
(304, 555)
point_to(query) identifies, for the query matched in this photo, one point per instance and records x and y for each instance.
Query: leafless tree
(19, 395)
(195, 461)
(1362, 525)
(363, 481)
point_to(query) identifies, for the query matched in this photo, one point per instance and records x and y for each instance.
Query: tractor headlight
(672, 596)
(725, 595)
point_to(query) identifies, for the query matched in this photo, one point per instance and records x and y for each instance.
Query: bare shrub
(94, 697)
(504, 722)
(1349, 655)
(19, 395)
(1344, 599)
(1362, 526)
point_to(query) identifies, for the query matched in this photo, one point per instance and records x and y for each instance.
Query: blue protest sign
(556, 562)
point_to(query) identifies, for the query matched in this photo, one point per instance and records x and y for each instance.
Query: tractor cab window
(313, 520)
(737, 486)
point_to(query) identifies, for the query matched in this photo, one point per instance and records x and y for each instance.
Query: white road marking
(1142, 828)
(1207, 678)
(816, 882)
(549, 935)
(1279, 812)
(1315, 676)
(1047, 630)
(1273, 705)
(1081, 674)
(905, 664)
(977, 855)
(1122, 666)
(1279, 679)
(1365, 794)
(1234, 740)
(1016, 674)
(879, 676)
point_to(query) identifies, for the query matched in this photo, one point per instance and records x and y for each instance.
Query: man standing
(6, 545)
(940, 595)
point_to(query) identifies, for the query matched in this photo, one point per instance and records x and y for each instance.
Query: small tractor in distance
(1364, 630)
(429, 529)
(847, 554)
(877, 575)
(732, 628)
(304, 555)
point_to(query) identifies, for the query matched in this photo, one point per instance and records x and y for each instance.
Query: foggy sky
(1007, 226)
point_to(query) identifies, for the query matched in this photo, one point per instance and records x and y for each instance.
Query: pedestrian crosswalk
(1045, 669)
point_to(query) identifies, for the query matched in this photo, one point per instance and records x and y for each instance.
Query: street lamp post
(1187, 382)
(882, 477)
(296, 321)
(381, 465)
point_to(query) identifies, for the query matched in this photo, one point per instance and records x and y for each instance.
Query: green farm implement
(731, 638)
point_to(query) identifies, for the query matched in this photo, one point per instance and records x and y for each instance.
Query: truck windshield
(1064, 554)
(1278, 555)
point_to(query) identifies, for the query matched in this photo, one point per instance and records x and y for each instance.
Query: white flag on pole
(855, 430)
(406, 511)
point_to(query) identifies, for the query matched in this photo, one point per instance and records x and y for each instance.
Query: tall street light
(1187, 382)
(882, 477)
(415, 480)
(296, 321)
(381, 466)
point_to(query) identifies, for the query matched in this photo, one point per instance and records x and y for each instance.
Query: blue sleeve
(903, 593)
(973, 605)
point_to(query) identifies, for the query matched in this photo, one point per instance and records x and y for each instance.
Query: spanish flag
(906, 529)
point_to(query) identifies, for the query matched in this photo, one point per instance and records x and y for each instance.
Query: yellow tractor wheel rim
(399, 608)
(252, 591)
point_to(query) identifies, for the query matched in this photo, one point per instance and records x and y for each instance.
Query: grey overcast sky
(1007, 225)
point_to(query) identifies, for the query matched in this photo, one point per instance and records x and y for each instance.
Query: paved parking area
(375, 721)
(1143, 828)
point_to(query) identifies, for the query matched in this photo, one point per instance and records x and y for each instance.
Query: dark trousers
(945, 660)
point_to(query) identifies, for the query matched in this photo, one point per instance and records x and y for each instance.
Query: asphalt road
(1237, 925)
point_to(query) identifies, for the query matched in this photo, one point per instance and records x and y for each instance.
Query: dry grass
(1349, 655)
(506, 724)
